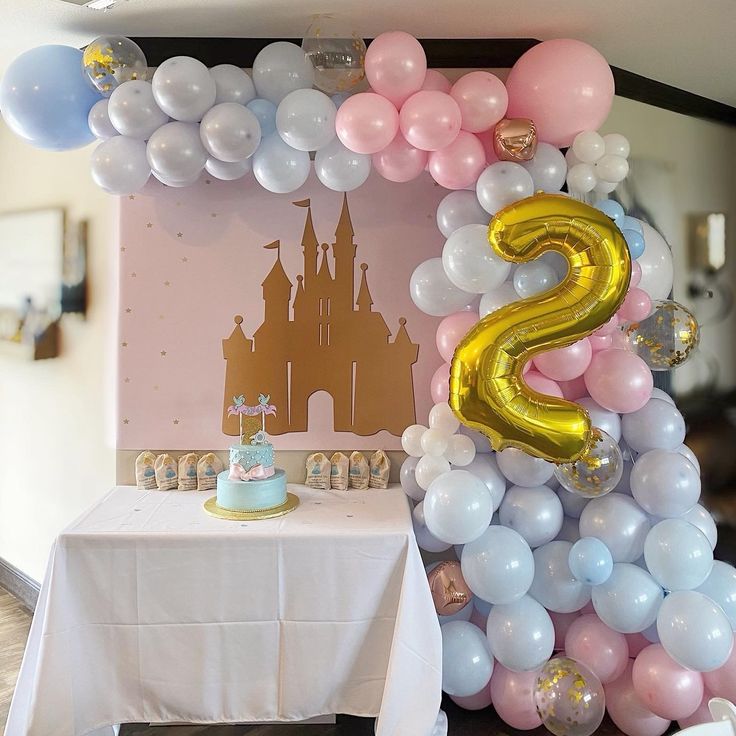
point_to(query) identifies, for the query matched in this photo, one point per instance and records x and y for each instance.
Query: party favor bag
(358, 471)
(165, 467)
(188, 472)
(145, 471)
(208, 467)
(380, 467)
(339, 471)
(318, 471)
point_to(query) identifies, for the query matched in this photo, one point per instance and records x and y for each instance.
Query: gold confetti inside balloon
(337, 54)
(111, 60)
(665, 339)
(597, 472)
(569, 698)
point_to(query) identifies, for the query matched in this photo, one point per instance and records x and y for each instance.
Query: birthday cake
(252, 483)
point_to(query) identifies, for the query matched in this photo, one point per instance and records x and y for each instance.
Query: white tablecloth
(152, 611)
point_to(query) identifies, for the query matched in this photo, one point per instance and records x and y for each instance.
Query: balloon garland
(570, 533)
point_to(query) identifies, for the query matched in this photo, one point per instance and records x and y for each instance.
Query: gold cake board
(211, 507)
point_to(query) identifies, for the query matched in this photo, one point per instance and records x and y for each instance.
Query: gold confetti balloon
(597, 471)
(111, 60)
(569, 698)
(665, 339)
(337, 54)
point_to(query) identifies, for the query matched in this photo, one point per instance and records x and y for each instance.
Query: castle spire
(237, 344)
(310, 244)
(343, 249)
(344, 224)
(364, 300)
(276, 289)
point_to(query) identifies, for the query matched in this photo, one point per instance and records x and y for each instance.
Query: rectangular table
(152, 611)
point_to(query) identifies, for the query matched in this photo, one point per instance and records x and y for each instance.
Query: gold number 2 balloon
(487, 390)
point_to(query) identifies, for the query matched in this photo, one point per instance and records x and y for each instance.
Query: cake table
(152, 611)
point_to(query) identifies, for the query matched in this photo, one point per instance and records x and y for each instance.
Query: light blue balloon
(521, 634)
(635, 241)
(46, 100)
(572, 504)
(665, 484)
(651, 634)
(569, 531)
(629, 600)
(265, 111)
(694, 631)
(619, 523)
(720, 587)
(590, 561)
(658, 425)
(278, 167)
(467, 664)
(498, 566)
(678, 554)
(610, 207)
(536, 513)
(554, 585)
(630, 223)
(339, 97)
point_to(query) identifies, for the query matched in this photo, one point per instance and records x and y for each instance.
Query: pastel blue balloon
(521, 634)
(45, 99)
(570, 530)
(610, 207)
(658, 425)
(590, 561)
(720, 587)
(467, 664)
(630, 223)
(629, 600)
(651, 634)
(619, 522)
(554, 585)
(265, 111)
(498, 566)
(678, 554)
(572, 504)
(635, 241)
(694, 631)
(664, 483)
(536, 513)
(339, 98)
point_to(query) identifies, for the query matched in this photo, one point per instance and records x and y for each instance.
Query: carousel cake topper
(240, 409)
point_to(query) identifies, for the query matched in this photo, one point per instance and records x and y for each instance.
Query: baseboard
(17, 583)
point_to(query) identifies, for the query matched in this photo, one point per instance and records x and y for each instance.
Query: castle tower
(343, 250)
(310, 244)
(276, 290)
(364, 300)
(238, 353)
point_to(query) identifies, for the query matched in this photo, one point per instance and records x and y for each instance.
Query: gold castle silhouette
(327, 340)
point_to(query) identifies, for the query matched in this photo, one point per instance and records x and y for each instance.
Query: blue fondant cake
(251, 495)
(251, 455)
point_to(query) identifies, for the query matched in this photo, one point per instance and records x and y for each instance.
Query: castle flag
(302, 203)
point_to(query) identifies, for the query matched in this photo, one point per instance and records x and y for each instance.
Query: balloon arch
(586, 578)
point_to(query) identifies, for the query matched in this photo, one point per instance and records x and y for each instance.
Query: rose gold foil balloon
(450, 592)
(515, 139)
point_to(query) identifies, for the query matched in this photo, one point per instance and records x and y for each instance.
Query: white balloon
(133, 110)
(470, 263)
(500, 297)
(612, 168)
(522, 469)
(176, 183)
(548, 168)
(280, 168)
(428, 468)
(227, 171)
(657, 270)
(442, 419)
(460, 208)
(232, 84)
(604, 187)
(433, 293)
(581, 178)
(690, 455)
(176, 152)
(485, 468)
(184, 88)
(280, 68)
(408, 480)
(305, 119)
(534, 278)
(339, 168)
(617, 144)
(99, 121)
(434, 442)
(119, 165)
(657, 393)
(588, 146)
(411, 440)
(230, 132)
(460, 450)
(501, 184)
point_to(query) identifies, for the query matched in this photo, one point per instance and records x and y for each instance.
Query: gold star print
(208, 181)
(122, 249)
(167, 283)
(155, 388)
(127, 380)
(185, 260)
(213, 214)
(178, 204)
(123, 344)
(131, 196)
(128, 310)
(176, 421)
(133, 275)
(126, 421)
(149, 225)
(180, 235)
(163, 353)
(161, 316)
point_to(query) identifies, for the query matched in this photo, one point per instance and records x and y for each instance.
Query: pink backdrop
(192, 258)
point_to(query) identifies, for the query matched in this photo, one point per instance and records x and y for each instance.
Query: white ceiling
(684, 43)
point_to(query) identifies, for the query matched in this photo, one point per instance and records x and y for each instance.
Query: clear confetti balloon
(569, 698)
(337, 54)
(665, 339)
(597, 472)
(111, 60)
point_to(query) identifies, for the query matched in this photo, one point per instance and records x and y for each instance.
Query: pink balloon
(565, 86)
(440, 384)
(562, 622)
(603, 650)
(482, 99)
(460, 164)
(541, 383)
(636, 643)
(636, 306)
(722, 682)
(513, 697)
(600, 342)
(366, 122)
(564, 364)
(635, 274)
(701, 715)
(608, 328)
(395, 66)
(666, 688)
(486, 138)
(452, 329)
(573, 390)
(628, 712)
(619, 381)
(478, 701)
(436, 81)
(429, 120)
(399, 161)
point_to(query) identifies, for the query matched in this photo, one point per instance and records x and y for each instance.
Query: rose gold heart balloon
(515, 139)
(450, 592)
